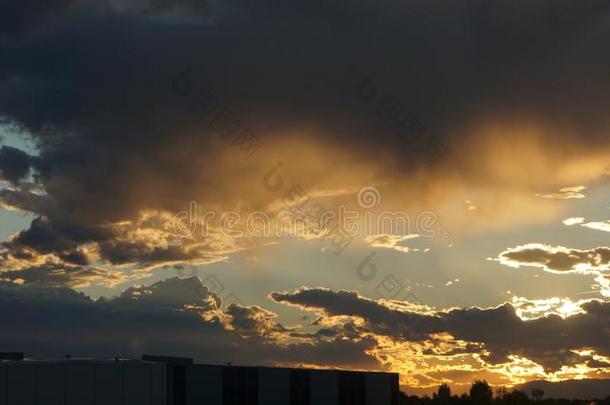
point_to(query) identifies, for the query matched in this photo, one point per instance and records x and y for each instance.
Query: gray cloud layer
(92, 82)
(174, 316)
(181, 316)
(546, 340)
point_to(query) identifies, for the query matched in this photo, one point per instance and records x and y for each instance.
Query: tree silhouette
(514, 398)
(501, 391)
(443, 394)
(537, 394)
(481, 393)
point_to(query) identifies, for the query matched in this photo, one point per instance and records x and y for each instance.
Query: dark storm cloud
(94, 88)
(75, 272)
(65, 242)
(120, 252)
(163, 317)
(547, 340)
(253, 320)
(156, 7)
(380, 319)
(300, 62)
(14, 164)
(25, 200)
(171, 293)
(18, 17)
(183, 316)
(46, 236)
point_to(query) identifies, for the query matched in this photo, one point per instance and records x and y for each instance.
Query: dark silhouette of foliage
(513, 397)
(482, 394)
(537, 394)
(443, 394)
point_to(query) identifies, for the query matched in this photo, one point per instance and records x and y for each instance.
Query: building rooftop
(21, 358)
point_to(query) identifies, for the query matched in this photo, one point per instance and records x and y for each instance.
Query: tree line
(481, 393)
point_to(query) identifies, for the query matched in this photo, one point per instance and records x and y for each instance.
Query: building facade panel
(240, 386)
(76, 382)
(80, 383)
(158, 378)
(352, 388)
(21, 383)
(3, 386)
(325, 387)
(378, 389)
(204, 385)
(51, 384)
(273, 386)
(138, 384)
(108, 384)
(300, 387)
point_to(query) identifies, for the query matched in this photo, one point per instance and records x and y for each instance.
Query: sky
(410, 186)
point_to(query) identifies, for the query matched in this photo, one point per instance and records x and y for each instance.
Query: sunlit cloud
(556, 259)
(599, 226)
(573, 221)
(388, 241)
(452, 282)
(471, 341)
(528, 309)
(566, 193)
(596, 225)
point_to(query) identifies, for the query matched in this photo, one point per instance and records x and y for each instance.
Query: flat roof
(96, 361)
(60, 360)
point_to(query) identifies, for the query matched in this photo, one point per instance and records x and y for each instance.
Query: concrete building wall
(325, 388)
(203, 385)
(158, 391)
(21, 385)
(78, 384)
(108, 384)
(144, 384)
(378, 389)
(74, 383)
(3, 387)
(51, 385)
(273, 386)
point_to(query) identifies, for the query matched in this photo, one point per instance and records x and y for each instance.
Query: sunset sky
(478, 129)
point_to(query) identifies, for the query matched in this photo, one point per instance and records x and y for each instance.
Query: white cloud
(573, 221)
